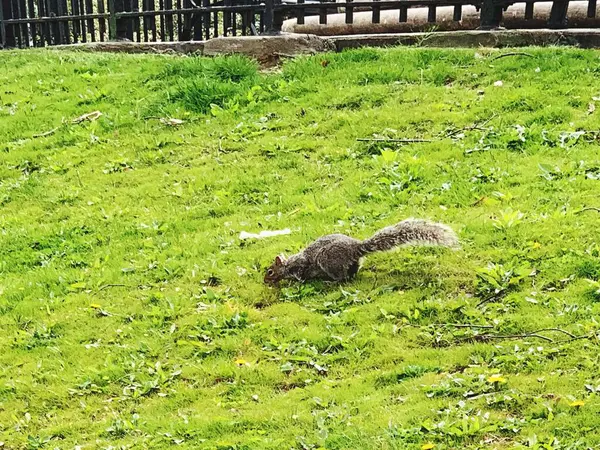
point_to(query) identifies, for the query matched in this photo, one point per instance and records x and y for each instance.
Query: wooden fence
(39, 23)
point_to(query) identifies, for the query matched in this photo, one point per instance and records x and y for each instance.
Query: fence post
(558, 14)
(591, 12)
(2, 28)
(7, 33)
(273, 18)
(277, 18)
(490, 15)
(112, 21)
(269, 16)
(117, 27)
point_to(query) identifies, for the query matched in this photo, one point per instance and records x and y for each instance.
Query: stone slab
(268, 48)
(583, 38)
(187, 47)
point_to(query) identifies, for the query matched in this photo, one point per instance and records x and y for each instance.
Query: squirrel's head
(275, 272)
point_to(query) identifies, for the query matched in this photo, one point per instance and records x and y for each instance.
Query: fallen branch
(478, 201)
(503, 55)
(535, 334)
(94, 115)
(401, 141)
(593, 334)
(497, 296)
(558, 330)
(462, 325)
(588, 208)
(485, 337)
(106, 286)
(45, 134)
(474, 396)
(532, 333)
(284, 55)
(479, 126)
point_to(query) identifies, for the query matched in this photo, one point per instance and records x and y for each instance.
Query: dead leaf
(263, 234)
(95, 115)
(591, 108)
(498, 83)
(171, 121)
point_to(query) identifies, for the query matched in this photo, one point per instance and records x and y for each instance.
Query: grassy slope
(132, 314)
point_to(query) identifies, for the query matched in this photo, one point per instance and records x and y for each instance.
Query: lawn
(133, 316)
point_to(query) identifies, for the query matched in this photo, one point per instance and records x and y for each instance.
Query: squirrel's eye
(270, 272)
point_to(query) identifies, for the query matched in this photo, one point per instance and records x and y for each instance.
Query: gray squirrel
(336, 257)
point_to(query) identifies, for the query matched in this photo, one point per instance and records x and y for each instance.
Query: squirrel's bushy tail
(410, 232)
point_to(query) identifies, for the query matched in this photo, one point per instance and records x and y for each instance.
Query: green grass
(133, 316)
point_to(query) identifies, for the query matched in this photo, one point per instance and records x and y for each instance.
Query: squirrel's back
(332, 241)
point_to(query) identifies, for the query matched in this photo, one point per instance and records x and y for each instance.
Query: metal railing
(38, 23)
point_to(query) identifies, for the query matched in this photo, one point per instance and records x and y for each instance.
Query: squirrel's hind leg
(353, 269)
(339, 271)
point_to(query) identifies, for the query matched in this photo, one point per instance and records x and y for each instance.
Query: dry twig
(487, 336)
(503, 55)
(46, 133)
(106, 286)
(588, 208)
(401, 141)
(462, 325)
(559, 330)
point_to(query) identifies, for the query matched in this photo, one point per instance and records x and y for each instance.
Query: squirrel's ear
(279, 259)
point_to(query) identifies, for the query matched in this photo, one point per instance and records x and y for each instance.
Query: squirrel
(336, 257)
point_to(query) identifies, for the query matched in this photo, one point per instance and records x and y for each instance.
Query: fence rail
(39, 23)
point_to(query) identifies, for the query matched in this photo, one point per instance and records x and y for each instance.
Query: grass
(133, 316)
